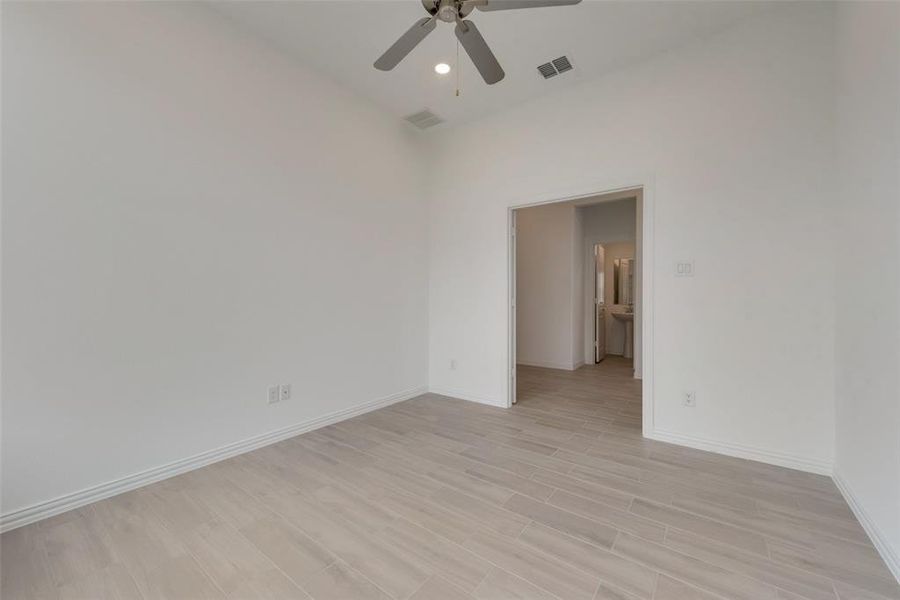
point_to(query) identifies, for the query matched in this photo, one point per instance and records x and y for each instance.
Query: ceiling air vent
(562, 64)
(424, 119)
(555, 67)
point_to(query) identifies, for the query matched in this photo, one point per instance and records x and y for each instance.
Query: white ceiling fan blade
(488, 5)
(403, 46)
(479, 52)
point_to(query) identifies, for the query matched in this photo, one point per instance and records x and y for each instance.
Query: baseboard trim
(49, 508)
(547, 365)
(881, 544)
(467, 397)
(764, 456)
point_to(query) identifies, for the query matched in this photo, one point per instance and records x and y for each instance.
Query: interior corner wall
(188, 218)
(867, 283)
(733, 135)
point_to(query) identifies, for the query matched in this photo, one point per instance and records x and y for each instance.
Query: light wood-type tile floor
(435, 498)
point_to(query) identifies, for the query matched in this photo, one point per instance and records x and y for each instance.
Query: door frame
(511, 351)
(591, 301)
(644, 244)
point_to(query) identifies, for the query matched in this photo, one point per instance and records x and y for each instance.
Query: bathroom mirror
(623, 281)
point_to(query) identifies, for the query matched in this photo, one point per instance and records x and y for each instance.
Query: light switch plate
(273, 394)
(285, 391)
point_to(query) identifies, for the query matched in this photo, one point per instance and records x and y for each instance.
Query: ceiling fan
(455, 11)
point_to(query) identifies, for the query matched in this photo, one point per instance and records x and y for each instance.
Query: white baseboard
(878, 540)
(800, 463)
(548, 365)
(49, 508)
(467, 397)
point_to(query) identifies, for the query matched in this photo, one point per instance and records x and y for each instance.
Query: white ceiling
(342, 38)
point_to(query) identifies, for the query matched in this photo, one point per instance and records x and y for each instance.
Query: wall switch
(689, 399)
(684, 268)
(452, 364)
(273, 394)
(285, 391)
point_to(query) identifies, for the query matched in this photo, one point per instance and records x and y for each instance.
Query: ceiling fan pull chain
(457, 68)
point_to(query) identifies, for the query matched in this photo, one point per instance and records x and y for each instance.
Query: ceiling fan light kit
(455, 11)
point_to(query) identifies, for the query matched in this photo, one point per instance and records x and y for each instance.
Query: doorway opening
(577, 305)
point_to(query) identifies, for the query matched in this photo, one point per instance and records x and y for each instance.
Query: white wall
(868, 277)
(578, 259)
(613, 221)
(733, 136)
(545, 285)
(184, 213)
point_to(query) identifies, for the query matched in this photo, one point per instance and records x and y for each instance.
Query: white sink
(628, 320)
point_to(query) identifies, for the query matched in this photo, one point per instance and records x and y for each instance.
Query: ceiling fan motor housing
(448, 11)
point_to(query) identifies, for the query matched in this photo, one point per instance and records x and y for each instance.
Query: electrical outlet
(273, 394)
(684, 268)
(452, 364)
(285, 391)
(689, 399)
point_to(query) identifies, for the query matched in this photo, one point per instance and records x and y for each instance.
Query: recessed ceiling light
(442, 68)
